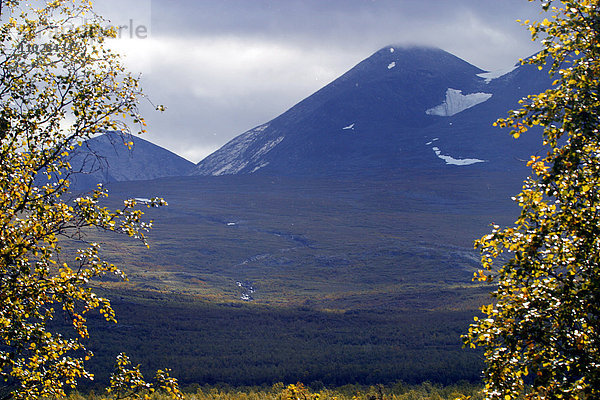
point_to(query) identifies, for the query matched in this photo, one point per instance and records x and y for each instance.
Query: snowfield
(455, 161)
(456, 102)
(489, 76)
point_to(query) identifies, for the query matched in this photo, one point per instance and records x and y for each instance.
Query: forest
(247, 344)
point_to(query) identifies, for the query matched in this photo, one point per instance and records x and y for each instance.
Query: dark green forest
(246, 344)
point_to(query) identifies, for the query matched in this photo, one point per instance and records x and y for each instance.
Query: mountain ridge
(401, 108)
(381, 115)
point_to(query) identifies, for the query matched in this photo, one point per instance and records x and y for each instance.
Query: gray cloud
(222, 67)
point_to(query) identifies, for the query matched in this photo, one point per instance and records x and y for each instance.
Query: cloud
(362, 25)
(216, 88)
(219, 68)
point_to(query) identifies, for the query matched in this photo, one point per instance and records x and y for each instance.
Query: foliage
(298, 392)
(541, 333)
(59, 86)
(279, 391)
(127, 382)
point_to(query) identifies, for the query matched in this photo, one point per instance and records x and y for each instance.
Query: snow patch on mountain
(236, 155)
(392, 65)
(455, 161)
(264, 164)
(391, 49)
(230, 168)
(261, 128)
(489, 76)
(266, 148)
(456, 102)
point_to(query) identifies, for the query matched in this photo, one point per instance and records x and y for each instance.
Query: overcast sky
(222, 67)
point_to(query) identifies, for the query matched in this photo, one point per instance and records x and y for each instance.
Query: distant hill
(403, 107)
(106, 158)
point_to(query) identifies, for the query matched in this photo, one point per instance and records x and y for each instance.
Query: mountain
(106, 158)
(348, 222)
(403, 107)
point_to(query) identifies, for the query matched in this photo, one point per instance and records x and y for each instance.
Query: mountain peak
(402, 107)
(408, 59)
(404, 50)
(106, 158)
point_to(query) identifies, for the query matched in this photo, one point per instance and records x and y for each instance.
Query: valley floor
(257, 280)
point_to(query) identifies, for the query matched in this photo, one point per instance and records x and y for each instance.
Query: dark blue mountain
(410, 107)
(106, 158)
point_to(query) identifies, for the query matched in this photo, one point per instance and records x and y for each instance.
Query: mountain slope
(400, 108)
(106, 158)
